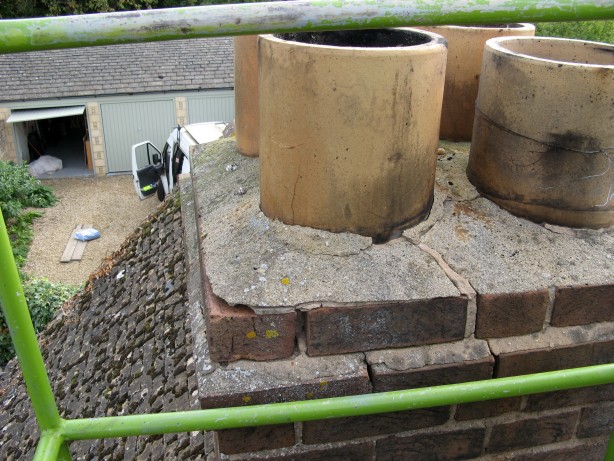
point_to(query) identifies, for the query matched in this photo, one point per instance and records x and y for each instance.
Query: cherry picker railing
(255, 18)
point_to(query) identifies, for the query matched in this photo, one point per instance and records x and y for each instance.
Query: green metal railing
(179, 23)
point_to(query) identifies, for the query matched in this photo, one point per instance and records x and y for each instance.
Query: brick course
(236, 332)
(511, 314)
(251, 439)
(539, 360)
(596, 420)
(340, 429)
(572, 397)
(386, 379)
(487, 409)
(432, 446)
(531, 432)
(579, 305)
(338, 330)
(350, 452)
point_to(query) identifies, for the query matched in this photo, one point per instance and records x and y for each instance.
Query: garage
(87, 106)
(59, 131)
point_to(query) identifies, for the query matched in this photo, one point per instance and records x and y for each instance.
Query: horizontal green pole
(310, 410)
(17, 315)
(302, 15)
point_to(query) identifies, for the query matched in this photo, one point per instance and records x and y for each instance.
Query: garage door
(216, 106)
(125, 124)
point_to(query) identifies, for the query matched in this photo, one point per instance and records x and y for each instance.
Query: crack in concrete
(462, 285)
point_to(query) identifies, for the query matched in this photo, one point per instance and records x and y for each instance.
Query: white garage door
(216, 106)
(125, 124)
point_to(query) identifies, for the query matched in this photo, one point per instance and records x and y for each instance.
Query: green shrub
(20, 235)
(19, 190)
(597, 31)
(44, 298)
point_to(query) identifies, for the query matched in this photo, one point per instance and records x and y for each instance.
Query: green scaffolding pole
(180, 23)
(302, 15)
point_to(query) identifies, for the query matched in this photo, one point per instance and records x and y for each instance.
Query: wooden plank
(70, 246)
(80, 248)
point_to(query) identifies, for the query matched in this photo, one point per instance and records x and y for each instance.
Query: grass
(597, 31)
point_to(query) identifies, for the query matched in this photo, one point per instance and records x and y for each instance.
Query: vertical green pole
(17, 316)
(609, 454)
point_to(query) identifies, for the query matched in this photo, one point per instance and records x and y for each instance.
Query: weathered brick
(487, 409)
(579, 305)
(432, 446)
(337, 330)
(511, 314)
(249, 439)
(559, 358)
(588, 451)
(571, 397)
(239, 333)
(598, 420)
(387, 379)
(352, 385)
(532, 432)
(353, 452)
(339, 429)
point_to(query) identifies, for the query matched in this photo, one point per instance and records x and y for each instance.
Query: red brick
(571, 397)
(354, 452)
(532, 432)
(559, 358)
(511, 314)
(432, 446)
(249, 439)
(580, 305)
(487, 409)
(386, 379)
(589, 451)
(337, 330)
(596, 421)
(338, 429)
(237, 332)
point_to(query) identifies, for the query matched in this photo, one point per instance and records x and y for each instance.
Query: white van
(156, 171)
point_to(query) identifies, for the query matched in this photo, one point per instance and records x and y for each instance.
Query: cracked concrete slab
(252, 260)
(255, 261)
(499, 252)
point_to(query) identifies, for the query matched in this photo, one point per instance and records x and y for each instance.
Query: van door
(147, 168)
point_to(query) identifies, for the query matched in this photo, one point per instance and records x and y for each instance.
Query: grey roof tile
(117, 69)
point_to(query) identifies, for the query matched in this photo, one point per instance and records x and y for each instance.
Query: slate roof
(181, 65)
(122, 345)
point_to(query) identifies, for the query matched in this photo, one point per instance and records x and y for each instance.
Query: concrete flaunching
(285, 313)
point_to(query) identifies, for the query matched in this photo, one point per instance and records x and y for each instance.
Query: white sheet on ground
(45, 164)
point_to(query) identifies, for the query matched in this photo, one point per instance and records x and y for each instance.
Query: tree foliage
(39, 8)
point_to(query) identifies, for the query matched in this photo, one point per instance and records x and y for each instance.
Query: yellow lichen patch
(309, 395)
(251, 334)
(246, 399)
(269, 334)
(285, 281)
(323, 384)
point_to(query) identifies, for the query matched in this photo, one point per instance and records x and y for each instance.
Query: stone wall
(487, 295)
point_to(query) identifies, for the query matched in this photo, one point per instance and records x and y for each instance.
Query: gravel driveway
(109, 203)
